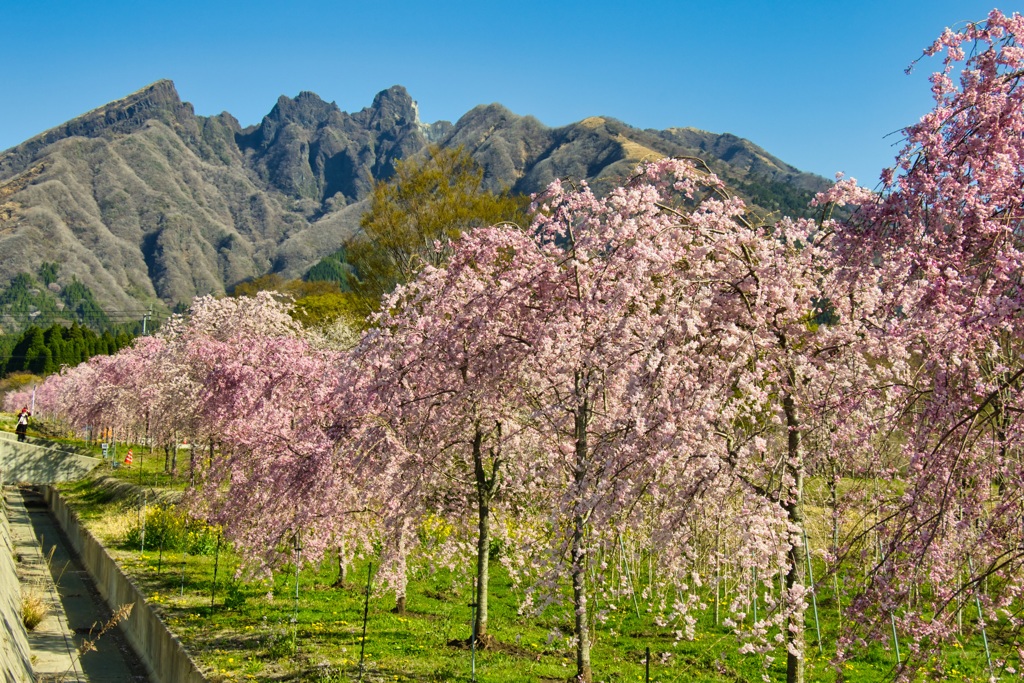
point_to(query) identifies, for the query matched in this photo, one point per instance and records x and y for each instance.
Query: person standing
(22, 429)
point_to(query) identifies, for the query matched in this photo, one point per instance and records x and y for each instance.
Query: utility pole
(145, 318)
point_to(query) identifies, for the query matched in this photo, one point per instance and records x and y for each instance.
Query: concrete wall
(38, 461)
(159, 649)
(15, 656)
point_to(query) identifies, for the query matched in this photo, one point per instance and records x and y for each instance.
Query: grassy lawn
(260, 631)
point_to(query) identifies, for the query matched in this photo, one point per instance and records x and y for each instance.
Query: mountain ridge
(148, 203)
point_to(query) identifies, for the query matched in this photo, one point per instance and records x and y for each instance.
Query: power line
(109, 314)
(115, 311)
(65, 314)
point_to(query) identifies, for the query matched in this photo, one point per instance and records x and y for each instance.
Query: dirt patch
(21, 181)
(439, 595)
(492, 644)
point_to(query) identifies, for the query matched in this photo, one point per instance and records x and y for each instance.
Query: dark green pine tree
(26, 349)
(93, 345)
(37, 356)
(107, 343)
(54, 340)
(42, 363)
(75, 347)
(122, 340)
(7, 343)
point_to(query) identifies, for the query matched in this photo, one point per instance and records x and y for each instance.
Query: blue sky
(819, 84)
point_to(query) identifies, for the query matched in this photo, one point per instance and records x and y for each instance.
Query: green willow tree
(415, 214)
(315, 303)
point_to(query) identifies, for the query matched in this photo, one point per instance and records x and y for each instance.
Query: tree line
(45, 351)
(40, 300)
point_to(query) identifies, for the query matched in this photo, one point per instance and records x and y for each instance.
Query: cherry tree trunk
(797, 552)
(403, 578)
(484, 490)
(584, 674)
(482, 570)
(340, 582)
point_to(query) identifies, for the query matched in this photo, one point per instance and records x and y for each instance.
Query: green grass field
(266, 631)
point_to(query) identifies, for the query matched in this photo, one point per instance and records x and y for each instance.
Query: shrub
(33, 609)
(167, 528)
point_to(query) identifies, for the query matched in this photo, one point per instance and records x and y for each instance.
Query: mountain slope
(147, 203)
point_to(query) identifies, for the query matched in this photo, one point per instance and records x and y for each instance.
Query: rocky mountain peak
(159, 95)
(391, 108)
(158, 100)
(307, 110)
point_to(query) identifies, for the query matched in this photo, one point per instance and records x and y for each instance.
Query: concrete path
(76, 608)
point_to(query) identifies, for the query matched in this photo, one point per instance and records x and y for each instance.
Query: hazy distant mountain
(145, 202)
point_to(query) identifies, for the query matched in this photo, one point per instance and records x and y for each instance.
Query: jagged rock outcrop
(310, 149)
(142, 200)
(146, 202)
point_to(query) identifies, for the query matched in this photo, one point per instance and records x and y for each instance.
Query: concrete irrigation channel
(54, 559)
(52, 570)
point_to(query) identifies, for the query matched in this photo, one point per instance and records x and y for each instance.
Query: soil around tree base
(491, 644)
